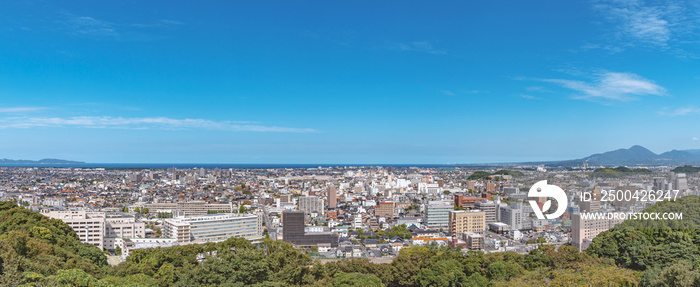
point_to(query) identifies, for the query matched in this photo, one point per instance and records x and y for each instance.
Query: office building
(437, 214)
(490, 209)
(89, 226)
(213, 227)
(293, 231)
(466, 201)
(189, 207)
(467, 221)
(513, 216)
(100, 228)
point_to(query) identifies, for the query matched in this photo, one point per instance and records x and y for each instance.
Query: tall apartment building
(584, 230)
(310, 204)
(100, 228)
(189, 207)
(490, 209)
(490, 186)
(385, 209)
(212, 228)
(589, 206)
(680, 181)
(467, 221)
(513, 216)
(471, 185)
(332, 197)
(437, 214)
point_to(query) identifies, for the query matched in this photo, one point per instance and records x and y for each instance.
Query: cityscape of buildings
(333, 212)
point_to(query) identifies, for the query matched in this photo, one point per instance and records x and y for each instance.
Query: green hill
(665, 251)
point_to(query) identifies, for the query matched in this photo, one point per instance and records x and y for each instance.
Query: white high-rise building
(437, 214)
(311, 204)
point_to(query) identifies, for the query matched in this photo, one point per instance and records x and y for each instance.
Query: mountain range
(636, 155)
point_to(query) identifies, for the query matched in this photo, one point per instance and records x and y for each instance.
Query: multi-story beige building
(385, 209)
(583, 230)
(119, 225)
(467, 221)
(89, 226)
(189, 207)
(99, 228)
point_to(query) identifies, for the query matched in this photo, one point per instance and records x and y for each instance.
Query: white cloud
(21, 109)
(143, 123)
(611, 86)
(529, 97)
(638, 21)
(694, 138)
(446, 92)
(683, 111)
(88, 26)
(419, 46)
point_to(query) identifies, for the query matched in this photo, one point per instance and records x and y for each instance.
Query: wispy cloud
(22, 109)
(694, 138)
(143, 123)
(88, 26)
(419, 46)
(93, 27)
(529, 97)
(460, 92)
(640, 22)
(682, 111)
(610, 86)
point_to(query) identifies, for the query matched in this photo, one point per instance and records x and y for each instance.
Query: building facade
(437, 214)
(473, 221)
(311, 204)
(212, 228)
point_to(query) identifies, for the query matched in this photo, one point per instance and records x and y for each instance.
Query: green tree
(447, 273)
(342, 279)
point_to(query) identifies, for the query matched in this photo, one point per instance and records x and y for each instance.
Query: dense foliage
(32, 244)
(619, 171)
(480, 174)
(667, 251)
(686, 169)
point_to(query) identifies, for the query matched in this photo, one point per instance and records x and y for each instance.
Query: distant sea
(222, 165)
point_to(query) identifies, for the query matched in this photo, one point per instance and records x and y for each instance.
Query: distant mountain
(636, 155)
(41, 161)
(693, 151)
(633, 155)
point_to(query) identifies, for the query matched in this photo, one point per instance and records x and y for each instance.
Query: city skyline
(396, 82)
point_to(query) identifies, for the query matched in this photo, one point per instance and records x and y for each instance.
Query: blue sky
(346, 81)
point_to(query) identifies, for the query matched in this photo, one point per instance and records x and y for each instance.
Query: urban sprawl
(336, 212)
